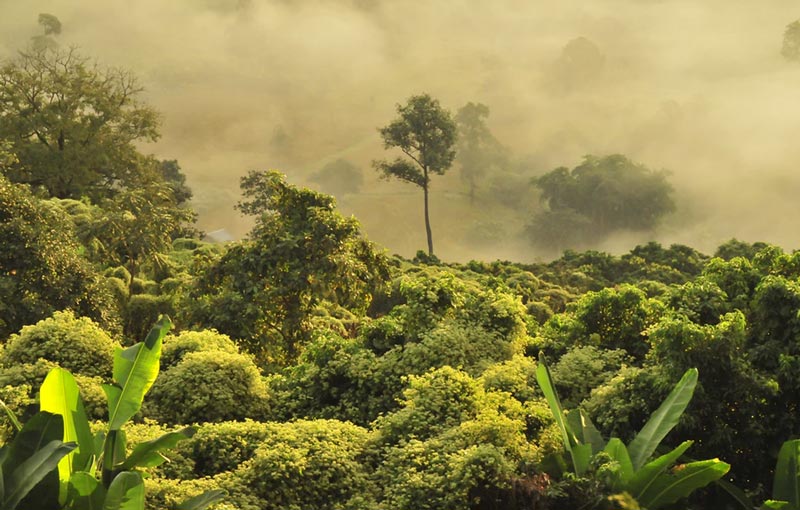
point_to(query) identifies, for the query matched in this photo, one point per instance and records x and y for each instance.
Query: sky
(695, 88)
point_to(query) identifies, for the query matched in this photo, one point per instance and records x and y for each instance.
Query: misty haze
(698, 89)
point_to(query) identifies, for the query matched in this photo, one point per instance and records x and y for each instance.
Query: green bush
(335, 379)
(309, 465)
(144, 310)
(209, 386)
(29, 376)
(168, 493)
(18, 399)
(610, 319)
(584, 368)
(433, 402)
(464, 464)
(216, 448)
(516, 376)
(177, 346)
(76, 344)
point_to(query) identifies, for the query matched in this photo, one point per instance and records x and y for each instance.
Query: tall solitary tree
(426, 134)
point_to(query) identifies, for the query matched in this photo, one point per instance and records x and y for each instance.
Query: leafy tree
(50, 26)
(263, 291)
(478, 149)
(171, 172)
(580, 64)
(73, 125)
(138, 225)
(41, 270)
(605, 194)
(737, 248)
(426, 134)
(791, 41)
(339, 177)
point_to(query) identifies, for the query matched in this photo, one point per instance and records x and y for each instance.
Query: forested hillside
(144, 365)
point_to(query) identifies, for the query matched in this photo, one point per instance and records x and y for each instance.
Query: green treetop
(426, 134)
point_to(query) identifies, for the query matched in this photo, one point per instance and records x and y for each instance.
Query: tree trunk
(427, 216)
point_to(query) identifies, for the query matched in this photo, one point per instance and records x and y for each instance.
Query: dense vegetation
(322, 373)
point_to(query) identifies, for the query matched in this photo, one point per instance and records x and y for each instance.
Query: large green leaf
(126, 492)
(27, 475)
(148, 454)
(85, 492)
(59, 395)
(202, 501)
(786, 484)
(581, 456)
(662, 420)
(41, 429)
(616, 449)
(585, 431)
(135, 370)
(645, 477)
(547, 387)
(682, 481)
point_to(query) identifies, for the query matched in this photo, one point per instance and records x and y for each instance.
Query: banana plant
(120, 485)
(785, 484)
(30, 462)
(653, 483)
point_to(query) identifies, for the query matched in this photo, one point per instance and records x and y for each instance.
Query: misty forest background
(700, 90)
(612, 191)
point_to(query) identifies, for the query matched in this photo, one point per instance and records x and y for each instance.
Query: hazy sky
(695, 87)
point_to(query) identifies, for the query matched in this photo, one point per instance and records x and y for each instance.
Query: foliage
(433, 403)
(28, 464)
(648, 482)
(216, 448)
(602, 195)
(426, 134)
(212, 386)
(452, 444)
(177, 346)
(76, 344)
(262, 292)
(583, 368)
(54, 461)
(791, 41)
(145, 309)
(73, 125)
(137, 225)
(737, 248)
(440, 319)
(41, 270)
(174, 177)
(610, 318)
(309, 464)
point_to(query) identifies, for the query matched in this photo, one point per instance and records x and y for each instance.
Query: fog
(697, 88)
